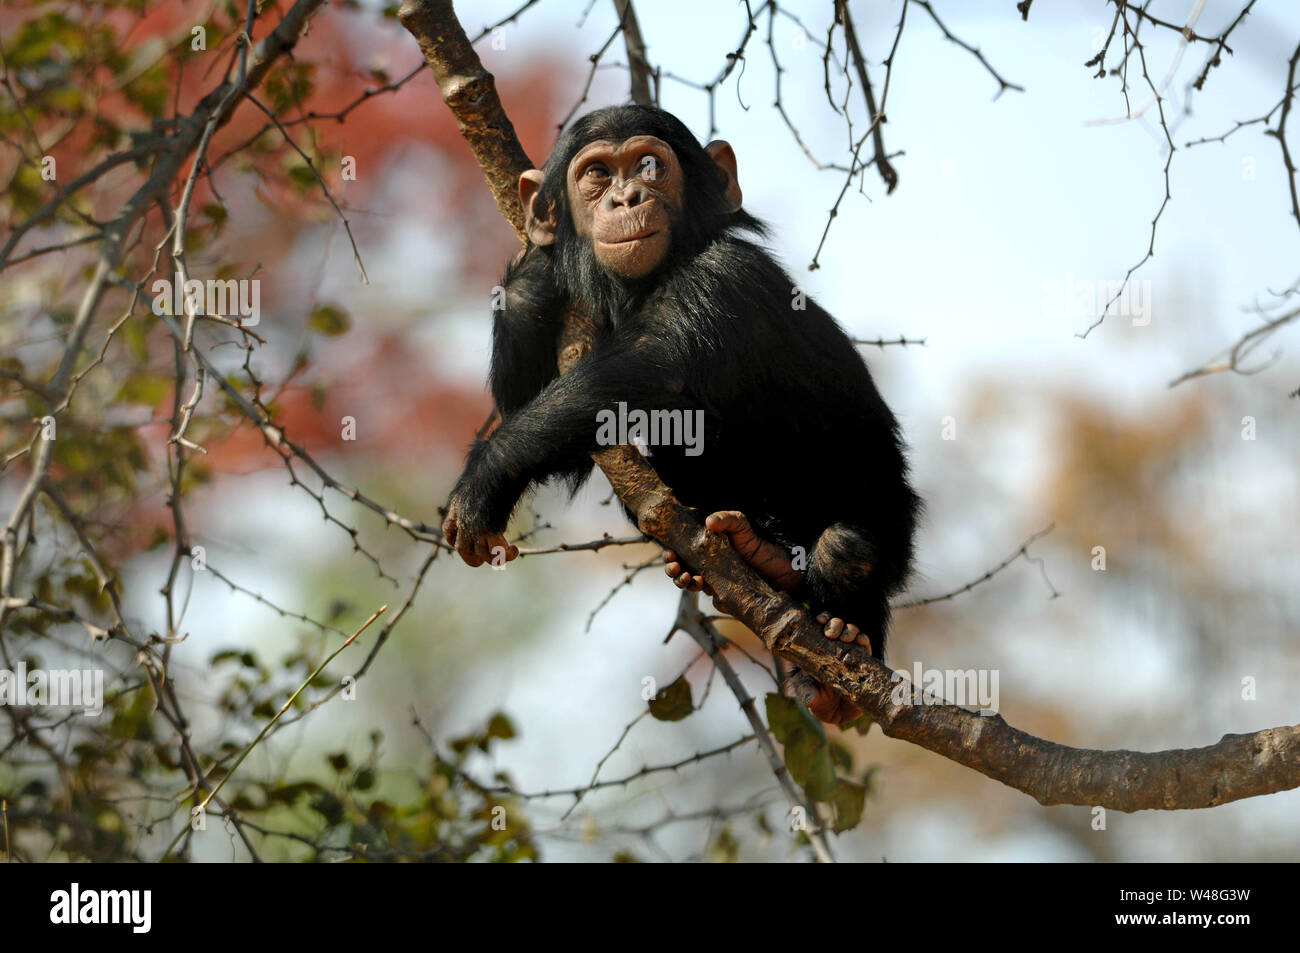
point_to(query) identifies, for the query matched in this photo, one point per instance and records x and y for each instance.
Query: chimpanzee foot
(774, 564)
(826, 705)
(767, 558)
(838, 629)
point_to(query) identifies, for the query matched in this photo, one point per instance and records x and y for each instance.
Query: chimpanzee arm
(556, 431)
(525, 333)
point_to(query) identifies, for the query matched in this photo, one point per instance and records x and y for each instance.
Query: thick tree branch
(1238, 766)
(638, 66)
(470, 93)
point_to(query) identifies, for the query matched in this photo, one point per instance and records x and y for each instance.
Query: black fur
(796, 435)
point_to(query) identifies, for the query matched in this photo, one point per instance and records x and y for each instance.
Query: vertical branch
(470, 92)
(1280, 134)
(877, 117)
(691, 621)
(215, 117)
(637, 63)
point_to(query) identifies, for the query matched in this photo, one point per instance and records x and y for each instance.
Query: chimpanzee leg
(842, 582)
(851, 603)
(845, 594)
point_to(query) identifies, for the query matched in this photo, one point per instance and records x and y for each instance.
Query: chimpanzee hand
(466, 531)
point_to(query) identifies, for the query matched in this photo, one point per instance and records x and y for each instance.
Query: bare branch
(1003, 85)
(877, 117)
(1240, 351)
(691, 621)
(638, 65)
(1022, 551)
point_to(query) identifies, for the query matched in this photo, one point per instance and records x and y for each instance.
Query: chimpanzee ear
(540, 231)
(719, 151)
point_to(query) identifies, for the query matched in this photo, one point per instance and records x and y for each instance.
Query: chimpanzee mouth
(630, 239)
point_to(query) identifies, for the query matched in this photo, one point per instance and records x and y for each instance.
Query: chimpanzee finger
(465, 546)
(499, 550)
(483, 548)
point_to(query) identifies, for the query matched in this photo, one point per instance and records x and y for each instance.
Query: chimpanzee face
(625, 198)
(625, 204)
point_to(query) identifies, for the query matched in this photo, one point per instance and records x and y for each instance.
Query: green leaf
(216, 213)
(301, 175)
(144, 388)
(329, 320)
(805, 747)
(725, 849)
(789, 719)
(132, 335)
(149, 90)
(842, 757)
(288, 84)
(328, 806)
(848, 802)
(499, 726)
(817, 774)
(674, 702)
(860, 725)
(37, 40)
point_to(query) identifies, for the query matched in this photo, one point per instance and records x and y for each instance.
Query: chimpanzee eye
(596, 171)
(650, 167)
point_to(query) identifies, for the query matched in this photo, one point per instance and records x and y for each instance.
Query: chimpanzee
(799, 460)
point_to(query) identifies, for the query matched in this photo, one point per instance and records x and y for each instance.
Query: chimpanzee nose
(628, 194)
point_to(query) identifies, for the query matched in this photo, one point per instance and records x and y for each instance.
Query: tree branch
(637, 63)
